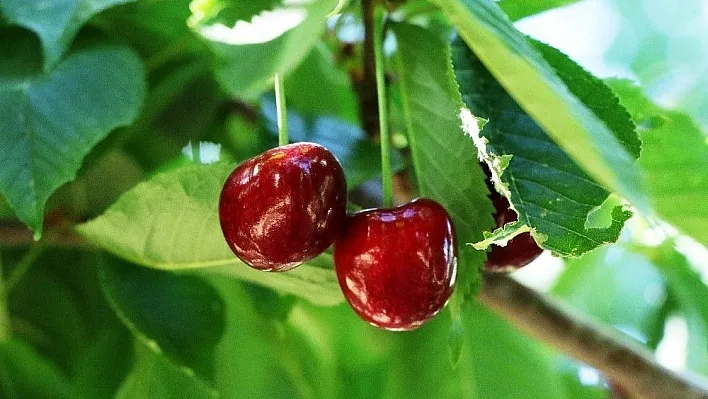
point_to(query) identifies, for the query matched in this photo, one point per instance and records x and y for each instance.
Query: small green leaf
(551, 194)
(55, 22)
(246, 62)
(444, 158)
(171, 222)
(49, 122)
(674, 161)
(534, 85)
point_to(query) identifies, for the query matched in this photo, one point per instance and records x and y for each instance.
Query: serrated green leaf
(674, 161)
(21, 368)
(171, 222)
(517, 9)
(533, 84)
(549, 191)
(49, 122)
(55, 22)
(444, 158)
(246, 62)
(178, 316)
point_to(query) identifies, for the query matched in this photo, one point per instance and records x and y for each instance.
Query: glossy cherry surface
(397, 266)
(518, 252)
(284, 206)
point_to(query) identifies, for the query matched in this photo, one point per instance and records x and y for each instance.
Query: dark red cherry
(284, 206)
(397, 266)
(519, 251)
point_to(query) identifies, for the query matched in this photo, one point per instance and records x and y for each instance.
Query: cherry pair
(396, 266)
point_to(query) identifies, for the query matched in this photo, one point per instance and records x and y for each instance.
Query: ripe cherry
(520, 250)
(397, 266)
(284, 206)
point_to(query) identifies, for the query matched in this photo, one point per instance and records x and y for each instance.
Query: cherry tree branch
(628, 365)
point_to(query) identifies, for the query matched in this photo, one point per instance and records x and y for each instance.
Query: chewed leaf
(502, 235)
(550, 193)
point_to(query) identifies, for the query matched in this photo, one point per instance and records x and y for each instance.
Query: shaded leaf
(179, 316)
(21, 367)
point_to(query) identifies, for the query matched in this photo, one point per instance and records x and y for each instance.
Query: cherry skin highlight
(397, 266)
(519, 251)
(284, 206)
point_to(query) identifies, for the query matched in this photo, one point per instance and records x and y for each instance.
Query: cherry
(520, 250)
(284, 206)
(397, 266)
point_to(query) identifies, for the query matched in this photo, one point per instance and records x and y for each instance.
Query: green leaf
(551, 194)
(179, 316)
(55, 22)
(156, 378)
(533, 84)
(24, 373)
(246, 62)
(517, 9)
(691, 296)
(332, 95)
(618, 288)
(674, 161)
(49, 122)
(264, 355)
(171, 222)
(444, 158)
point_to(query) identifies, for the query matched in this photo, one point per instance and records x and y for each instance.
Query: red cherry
(284, 206)
(519, 251)
(397, 266)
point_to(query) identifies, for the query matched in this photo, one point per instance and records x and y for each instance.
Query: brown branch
(629, 365)
(16, 235)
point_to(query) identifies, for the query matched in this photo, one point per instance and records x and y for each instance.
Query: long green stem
(281, 110)
(386, 175)
(5, 327)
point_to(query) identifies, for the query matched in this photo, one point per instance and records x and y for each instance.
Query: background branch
(628, 365)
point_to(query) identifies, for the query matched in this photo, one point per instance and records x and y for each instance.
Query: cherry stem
(386, 175)
(281, 110)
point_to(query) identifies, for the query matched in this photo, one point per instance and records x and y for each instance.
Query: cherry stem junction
(386, 174)
(281, 110)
